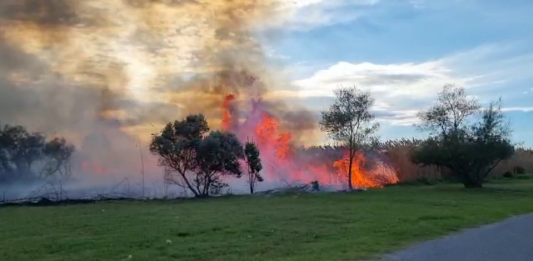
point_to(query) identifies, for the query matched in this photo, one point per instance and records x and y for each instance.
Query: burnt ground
(510, 240)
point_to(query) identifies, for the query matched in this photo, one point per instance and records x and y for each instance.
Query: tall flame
(226, 118)
(284, 163)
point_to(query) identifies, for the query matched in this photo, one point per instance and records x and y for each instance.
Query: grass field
(325, 227)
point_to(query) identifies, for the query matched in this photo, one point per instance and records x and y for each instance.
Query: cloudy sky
(404, 51)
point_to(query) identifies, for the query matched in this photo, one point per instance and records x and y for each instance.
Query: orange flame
(283, 163)
(359, 179)
(92, 167)
(266, 129)
(226, 117)
(283, 146)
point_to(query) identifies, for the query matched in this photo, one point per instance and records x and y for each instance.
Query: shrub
(519, 170)
(508, 174)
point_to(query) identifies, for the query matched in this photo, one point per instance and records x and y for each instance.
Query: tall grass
(523, 157)
(399, 154)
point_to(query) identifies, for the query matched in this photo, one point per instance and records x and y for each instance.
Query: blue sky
(405, 51)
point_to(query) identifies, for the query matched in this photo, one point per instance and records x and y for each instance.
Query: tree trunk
(472, 182)
(350, 186)
(189, 185)
(251, 187)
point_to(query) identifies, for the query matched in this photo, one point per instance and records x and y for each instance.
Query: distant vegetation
(27, 157)
(467, 144)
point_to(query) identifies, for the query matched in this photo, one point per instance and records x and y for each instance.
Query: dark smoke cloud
(77, 66)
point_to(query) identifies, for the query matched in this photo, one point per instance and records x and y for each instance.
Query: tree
(350, 121)
(253, 164)
(451, 114)
(58, 153)
(217, 155)
(469, 145)
(193, 160)
(25, 155)
(176, 147)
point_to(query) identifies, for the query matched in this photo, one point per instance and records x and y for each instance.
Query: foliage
(469, 146)
(253, 164)
(176, 147)
(350, 121)
(27, 156)
(217, 155)
(195, 161)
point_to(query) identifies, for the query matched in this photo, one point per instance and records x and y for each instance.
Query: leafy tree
(25, 155)
(350, 121)
(176, 147)
(253, 164)
(193, 160)
(468, 145)
(217, 156)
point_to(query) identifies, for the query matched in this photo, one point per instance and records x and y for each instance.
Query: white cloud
(398, 117)
(401, 89)
(396, 87)
(521, 109)
(308, 14)
(393, 80)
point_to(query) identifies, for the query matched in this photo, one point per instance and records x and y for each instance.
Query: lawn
(325, 227)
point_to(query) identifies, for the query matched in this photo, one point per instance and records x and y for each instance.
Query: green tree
(350, 121)
(195, 160)
(253, 164)
(217, 156)
(466, 139)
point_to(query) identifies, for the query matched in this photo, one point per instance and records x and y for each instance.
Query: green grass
(325, 227)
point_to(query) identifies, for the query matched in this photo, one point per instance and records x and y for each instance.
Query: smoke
(119, 69)
(66, 64)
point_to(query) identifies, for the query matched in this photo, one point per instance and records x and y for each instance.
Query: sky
(405, 51)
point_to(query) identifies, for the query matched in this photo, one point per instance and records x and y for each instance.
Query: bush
(425, 181)
(466, 139)
(519, 170)
(508, 174)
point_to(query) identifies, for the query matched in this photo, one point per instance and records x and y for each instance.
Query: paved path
(510, 240)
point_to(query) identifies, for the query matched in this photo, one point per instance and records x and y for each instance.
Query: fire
(266, 130)
(92, 167)
(284, 163)
(284, 147)
(226, 118)
(359, 177)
